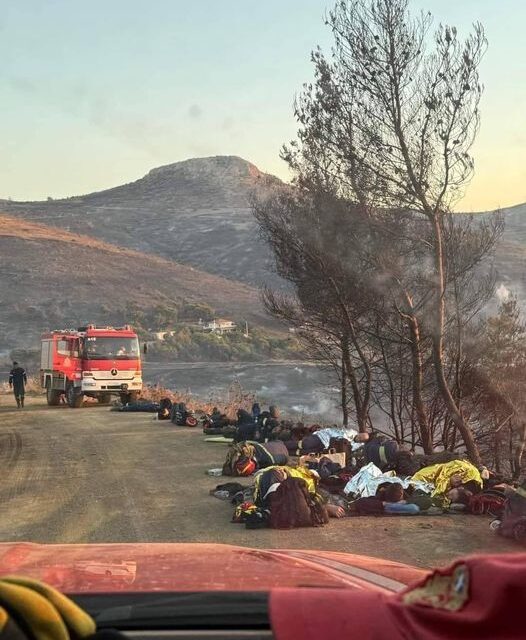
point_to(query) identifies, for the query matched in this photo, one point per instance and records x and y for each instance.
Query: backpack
(489, 502)
(513, 519)
(291, 506)
(235, 453)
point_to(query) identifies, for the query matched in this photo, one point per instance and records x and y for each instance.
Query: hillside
(510, 256)
(56, 279)
(195, 212)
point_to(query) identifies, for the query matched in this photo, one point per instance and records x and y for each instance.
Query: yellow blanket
(440, 474)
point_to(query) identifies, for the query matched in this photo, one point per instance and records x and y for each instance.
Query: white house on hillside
(220, 326)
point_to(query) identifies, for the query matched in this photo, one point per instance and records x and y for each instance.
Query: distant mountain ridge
(196, 212)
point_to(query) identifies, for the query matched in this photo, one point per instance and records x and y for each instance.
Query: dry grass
(237, 398)
(33, 387)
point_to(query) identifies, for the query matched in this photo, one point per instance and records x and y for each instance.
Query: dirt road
(92, 475)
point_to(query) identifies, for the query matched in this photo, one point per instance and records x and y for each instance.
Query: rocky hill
(55, 278)
(195, 212)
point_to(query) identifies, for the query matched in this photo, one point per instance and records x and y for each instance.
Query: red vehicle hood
(149, 567)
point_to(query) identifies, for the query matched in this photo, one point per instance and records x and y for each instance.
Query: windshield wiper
(232, 610)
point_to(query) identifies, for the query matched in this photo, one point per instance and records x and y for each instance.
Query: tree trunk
(343, 382)
(361, 409)
(438, 349)
(417, 385)
(392, 389)
(519, 452)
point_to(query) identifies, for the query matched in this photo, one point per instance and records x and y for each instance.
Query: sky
(95, 94)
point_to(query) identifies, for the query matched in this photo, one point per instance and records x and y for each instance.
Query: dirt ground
(93, 475)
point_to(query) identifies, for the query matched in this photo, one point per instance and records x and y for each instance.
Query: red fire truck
(91, 361)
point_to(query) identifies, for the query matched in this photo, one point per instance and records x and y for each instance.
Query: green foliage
(189, 343)
(196, 311)
(192, 344)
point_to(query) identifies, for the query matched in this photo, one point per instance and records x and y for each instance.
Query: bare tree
(389, 124)
(314, 253)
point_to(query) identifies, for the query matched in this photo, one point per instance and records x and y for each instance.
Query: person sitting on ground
(268, 420)
(218, 419)
(246, 427)
(513, 518)
(256, 411)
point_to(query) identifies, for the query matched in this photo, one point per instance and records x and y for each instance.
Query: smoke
(503, 293)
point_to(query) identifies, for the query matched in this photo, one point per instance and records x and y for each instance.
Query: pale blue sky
(94, 94)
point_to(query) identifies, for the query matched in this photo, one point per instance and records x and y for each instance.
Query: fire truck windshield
(99, 348)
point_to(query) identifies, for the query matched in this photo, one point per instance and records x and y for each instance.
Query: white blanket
(366, 482)
(325, 436)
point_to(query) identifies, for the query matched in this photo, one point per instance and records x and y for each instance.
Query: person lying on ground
(256, 411)
(381, 451)
(268, 481)
(143, 406)
(320, 440)
(264, 455)
(247, 457)
(389, 499)
(165, 409)
(217, 423)
(451, 475)
(283, 432)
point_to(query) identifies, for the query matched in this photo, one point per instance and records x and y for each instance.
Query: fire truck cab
(95, 362)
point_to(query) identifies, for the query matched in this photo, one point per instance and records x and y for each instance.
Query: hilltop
(59, 278)
(195, 212)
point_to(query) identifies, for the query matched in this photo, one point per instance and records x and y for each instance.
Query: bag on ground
(237, 452)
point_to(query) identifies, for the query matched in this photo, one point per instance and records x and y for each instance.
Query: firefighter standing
(18, 381)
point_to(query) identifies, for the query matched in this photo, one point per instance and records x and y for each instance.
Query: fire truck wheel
(74, 398)
(52, 397)
(104, 398)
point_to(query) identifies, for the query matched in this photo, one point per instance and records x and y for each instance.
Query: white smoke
(503, 293)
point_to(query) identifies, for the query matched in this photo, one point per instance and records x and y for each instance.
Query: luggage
(235, 453)
(490, 502)
(181, 416)
(369, 506)
(513, 520)
(333, 456)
